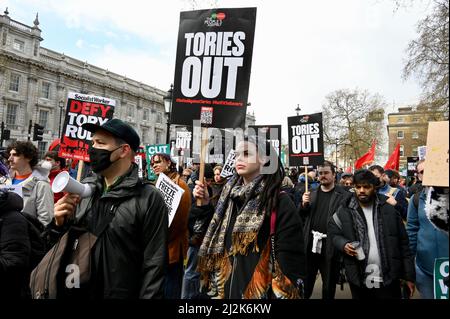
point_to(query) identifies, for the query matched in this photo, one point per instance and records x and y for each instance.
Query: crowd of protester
(264, 232)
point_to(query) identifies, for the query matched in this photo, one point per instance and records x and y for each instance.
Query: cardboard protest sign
(82, 108)
(229, 169)
(171, 193)
(441, 270)
(271, 133)
(13, 188)
(411, 165)
(213, 63)
(305, 140)
(436, 164)
(150, 150)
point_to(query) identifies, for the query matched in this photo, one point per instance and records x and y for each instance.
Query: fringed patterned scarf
(213, 262)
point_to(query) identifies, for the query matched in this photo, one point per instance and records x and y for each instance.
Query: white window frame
(402, 150)
(42, 148)
(402, 135)
(158, 137)
(145, 134)
(14, 82)
(20, 45)
(130, 111)
(9, 116)
(415, 135)
(159, 117)
(45, 93)
(415, 151)
(43, 120)
(146, 114)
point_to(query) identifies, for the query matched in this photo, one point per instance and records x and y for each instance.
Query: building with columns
(34, 82)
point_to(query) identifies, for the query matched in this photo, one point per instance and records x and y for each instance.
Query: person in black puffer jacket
(15, 247)
(371, 235)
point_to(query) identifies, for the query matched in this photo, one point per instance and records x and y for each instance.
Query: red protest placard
(82, 108)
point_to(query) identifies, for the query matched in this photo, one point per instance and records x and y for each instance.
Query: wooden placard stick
(206, 115)
(306, 179)
(80, 170)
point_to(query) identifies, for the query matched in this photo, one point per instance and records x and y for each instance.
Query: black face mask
(100, 158)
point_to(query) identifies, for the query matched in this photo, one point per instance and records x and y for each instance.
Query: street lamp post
(168, 108)
(61, 106)
(298, 109)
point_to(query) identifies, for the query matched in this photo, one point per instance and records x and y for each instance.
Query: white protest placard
(13, 188)
(189, 161)
(421, 152)
(171, 192)
(138, 161)
(228, 169)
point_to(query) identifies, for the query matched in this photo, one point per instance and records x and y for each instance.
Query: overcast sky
(303, 50)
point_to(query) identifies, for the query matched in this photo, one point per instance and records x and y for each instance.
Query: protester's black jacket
(14, 248)
(131, 254)
(399, 259)
(339, 195)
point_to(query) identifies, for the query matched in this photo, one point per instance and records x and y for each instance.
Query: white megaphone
(64, 183)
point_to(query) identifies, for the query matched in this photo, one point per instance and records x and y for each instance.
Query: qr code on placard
(206, 115)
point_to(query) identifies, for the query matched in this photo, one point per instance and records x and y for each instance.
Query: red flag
(367, 158)
(394, 160)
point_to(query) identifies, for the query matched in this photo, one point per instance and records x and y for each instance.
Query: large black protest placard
(271, 133)
(82, 108)
(305, 140)
(214, 56)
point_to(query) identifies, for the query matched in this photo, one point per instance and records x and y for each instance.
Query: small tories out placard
(171, 192)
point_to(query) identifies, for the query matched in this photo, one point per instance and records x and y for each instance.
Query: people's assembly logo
(304, 119)
(215, 20)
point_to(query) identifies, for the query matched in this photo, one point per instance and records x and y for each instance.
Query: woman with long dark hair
(178, 230)
(237, 258)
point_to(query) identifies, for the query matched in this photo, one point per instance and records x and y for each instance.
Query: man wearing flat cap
(130, 254)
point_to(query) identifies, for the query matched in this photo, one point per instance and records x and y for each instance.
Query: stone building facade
(34, 82)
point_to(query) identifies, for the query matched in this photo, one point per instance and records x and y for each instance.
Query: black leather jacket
(131, 254)
(14, 248)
